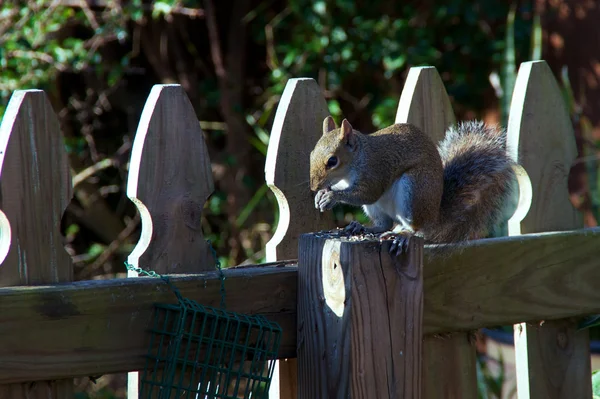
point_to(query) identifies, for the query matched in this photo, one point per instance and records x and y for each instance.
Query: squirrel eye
(332, 161)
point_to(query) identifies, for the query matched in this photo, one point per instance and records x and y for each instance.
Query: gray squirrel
(407, 186)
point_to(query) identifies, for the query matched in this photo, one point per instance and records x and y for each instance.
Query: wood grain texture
(296, 129)
(557, 357)
(359, 319)
(522, 278)
(553, 359)
(541, 138)
(490, 282)
(107, 320)
(425, 103)
(448, 350)
(35, 189)
(169, 180)
(288, 378)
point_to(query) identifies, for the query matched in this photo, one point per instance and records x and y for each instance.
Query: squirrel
(451, 192)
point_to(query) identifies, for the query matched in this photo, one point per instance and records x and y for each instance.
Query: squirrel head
(333, 156)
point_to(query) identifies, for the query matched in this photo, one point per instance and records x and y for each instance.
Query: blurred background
(98, 59)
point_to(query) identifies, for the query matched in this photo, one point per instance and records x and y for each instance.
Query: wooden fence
(360, 323)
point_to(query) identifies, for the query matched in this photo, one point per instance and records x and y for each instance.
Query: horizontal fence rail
(95, 327)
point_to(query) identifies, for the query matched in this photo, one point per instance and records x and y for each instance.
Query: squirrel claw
(399, 245)
(400, 242)
(355, 228)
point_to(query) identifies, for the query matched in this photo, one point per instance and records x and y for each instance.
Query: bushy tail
(478, 181)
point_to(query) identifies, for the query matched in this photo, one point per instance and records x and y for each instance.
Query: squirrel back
(478, 181)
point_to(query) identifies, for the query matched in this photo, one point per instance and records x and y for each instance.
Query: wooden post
(449, 369)
(169, 181)
(35, 189)
(296, 129)
(553, 359)
(360, 313)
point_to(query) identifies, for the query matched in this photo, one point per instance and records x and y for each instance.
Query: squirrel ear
(348, 134)
(328, 125)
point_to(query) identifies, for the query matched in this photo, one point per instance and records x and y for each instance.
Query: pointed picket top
(35, 190)
(540, 137)
(169, 181)
(425, 103)
(296, 129)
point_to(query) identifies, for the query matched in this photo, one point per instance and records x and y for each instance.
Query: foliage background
(98, 60)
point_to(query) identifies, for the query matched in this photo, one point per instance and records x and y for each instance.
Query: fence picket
(296, 129)
(448, 362)
(425, 103)
(35, 189)
(553, 359)
(169, 181)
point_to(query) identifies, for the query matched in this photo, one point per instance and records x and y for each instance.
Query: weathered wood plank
(35, 186)
(169, 180)
(360, 315)
(425, 104)
(288, 379)
(489, 282)
(546, 342)
(540, 135)
(35, 189)
(99, 327)
(520, 278)
(450, 350)
(296, 129)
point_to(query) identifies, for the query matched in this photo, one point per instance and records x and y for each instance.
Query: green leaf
(160, 8)
(596, 384)
(536, 38)
(254, 201)
(334, 107)
(320, 8)
(96, 250)
(589, 321)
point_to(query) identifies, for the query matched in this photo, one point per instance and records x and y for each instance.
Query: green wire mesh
(202, 352)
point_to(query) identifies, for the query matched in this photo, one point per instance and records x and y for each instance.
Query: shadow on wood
(35, 189)
(296, 129)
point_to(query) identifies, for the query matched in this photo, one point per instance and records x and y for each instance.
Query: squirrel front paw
(401, 240)
(324, 199)
(355, 228)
